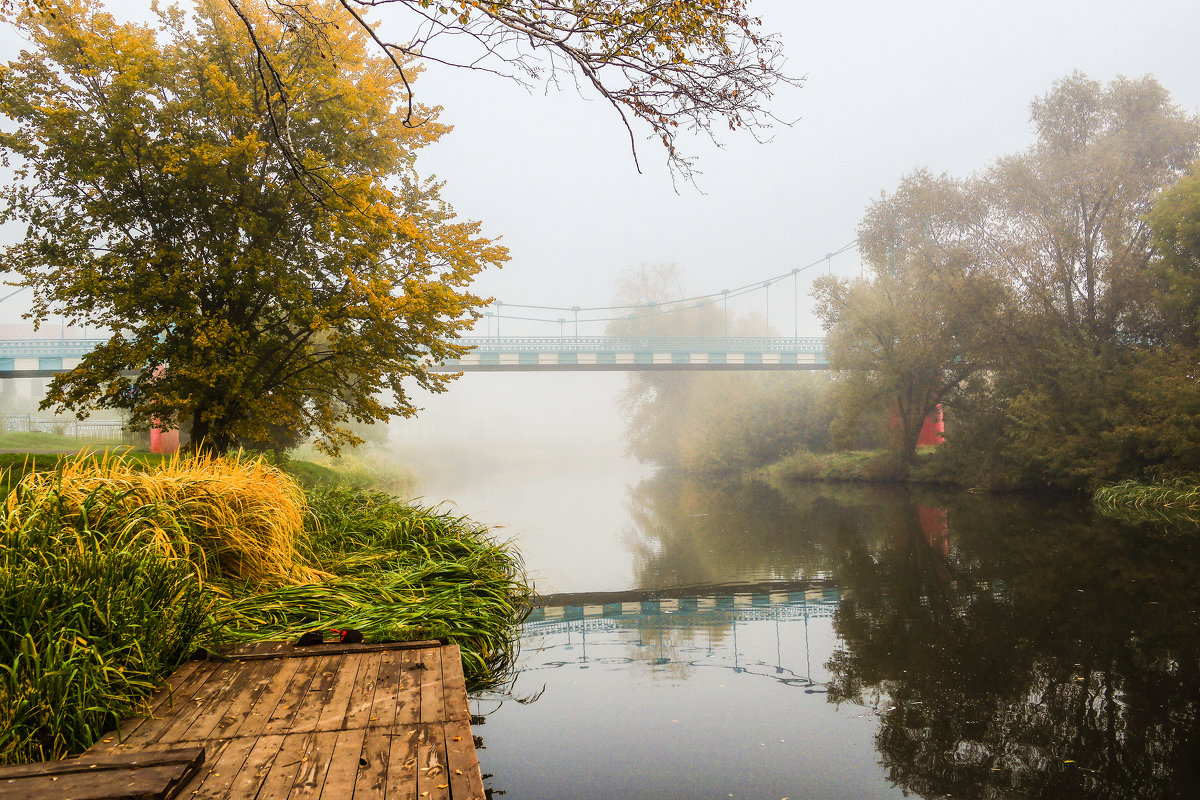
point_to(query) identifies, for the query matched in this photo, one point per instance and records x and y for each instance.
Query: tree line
(1048, 303)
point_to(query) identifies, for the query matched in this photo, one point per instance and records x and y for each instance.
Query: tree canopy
(1175, 224)
(909, 337)
(245, 293)
(1038, 277)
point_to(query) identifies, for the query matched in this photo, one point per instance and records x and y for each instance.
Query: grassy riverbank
(855, 466)
(113, 570)
(1174, 502)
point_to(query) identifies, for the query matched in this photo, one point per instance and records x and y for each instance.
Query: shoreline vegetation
(1173, 501)
(114, 569)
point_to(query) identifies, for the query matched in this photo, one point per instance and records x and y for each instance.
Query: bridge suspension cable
(699, 300)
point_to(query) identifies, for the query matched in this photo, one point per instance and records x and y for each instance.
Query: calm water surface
(705, 640)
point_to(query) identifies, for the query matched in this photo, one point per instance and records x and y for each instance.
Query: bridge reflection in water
(760, 629)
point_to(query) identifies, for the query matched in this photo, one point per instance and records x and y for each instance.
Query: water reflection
(1045, 653)
(970, 647)
(695, 631)
(693, 694)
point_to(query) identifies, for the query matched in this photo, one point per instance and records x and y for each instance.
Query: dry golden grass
(238, 516)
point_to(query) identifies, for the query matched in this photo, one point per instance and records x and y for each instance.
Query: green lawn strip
(46, 441)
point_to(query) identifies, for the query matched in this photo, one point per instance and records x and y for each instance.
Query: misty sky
(890, 87)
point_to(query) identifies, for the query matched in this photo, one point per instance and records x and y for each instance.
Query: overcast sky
(889, 87)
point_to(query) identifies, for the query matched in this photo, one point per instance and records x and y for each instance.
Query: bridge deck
(334, 721)
(44, 358)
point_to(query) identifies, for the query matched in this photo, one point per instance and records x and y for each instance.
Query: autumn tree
(1067, 229)
(1067, 225)
(908, 337)
(243, 290)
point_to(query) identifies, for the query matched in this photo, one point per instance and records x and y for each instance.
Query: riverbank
(1170, 501)
(857, 466)
(113, 570)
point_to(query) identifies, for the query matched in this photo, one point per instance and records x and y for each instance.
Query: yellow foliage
(236, 515)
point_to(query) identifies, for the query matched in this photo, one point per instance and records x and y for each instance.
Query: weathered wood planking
(122, 777)
(343, 722)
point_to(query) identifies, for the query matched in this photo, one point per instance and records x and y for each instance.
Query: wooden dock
(273, 721)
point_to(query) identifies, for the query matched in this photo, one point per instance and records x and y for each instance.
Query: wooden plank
(462, 760)
(370, 782)
(216, 777)
(433, 778)
(145, 779)
(258, 648)
(344, 764)
(138, 732)
(314, 767)
(432, 698)
(259, 677)
(358, 713)
(282, 775)
(184, 714)
(91, 763)
(255, 721)
(337, 701)
(383, 708)
(402, 766)
(125, 783)
(312, 704)
(249, 779)
(408, 689)
(232, 692)
(280, 719)
(454, 685)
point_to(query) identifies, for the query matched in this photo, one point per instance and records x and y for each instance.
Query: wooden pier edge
(272, 721)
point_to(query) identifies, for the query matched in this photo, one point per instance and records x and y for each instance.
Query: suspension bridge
(648, 343)
(33, 358)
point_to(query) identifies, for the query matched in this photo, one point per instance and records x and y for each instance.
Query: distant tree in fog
(908, 338)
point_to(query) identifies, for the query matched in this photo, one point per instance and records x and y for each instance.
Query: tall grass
(111, 573)
(1173, 500)
(400, 572)
(235, 518)
(86, 632)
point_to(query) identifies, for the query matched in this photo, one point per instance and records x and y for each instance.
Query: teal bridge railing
(46, 357)
(548, 353)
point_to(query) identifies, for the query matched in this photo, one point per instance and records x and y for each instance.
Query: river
(703, 639)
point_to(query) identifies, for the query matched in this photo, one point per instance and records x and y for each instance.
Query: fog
(541, 456)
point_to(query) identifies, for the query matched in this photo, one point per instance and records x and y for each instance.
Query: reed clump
(400, 572)
(1171, 500)
(87, 630)
(112, 571)
(235, 518)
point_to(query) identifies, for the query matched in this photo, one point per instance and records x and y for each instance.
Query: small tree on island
(245, 293)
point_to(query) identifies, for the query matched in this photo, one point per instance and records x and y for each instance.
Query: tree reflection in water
(1012, 647)
(1045, 653)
